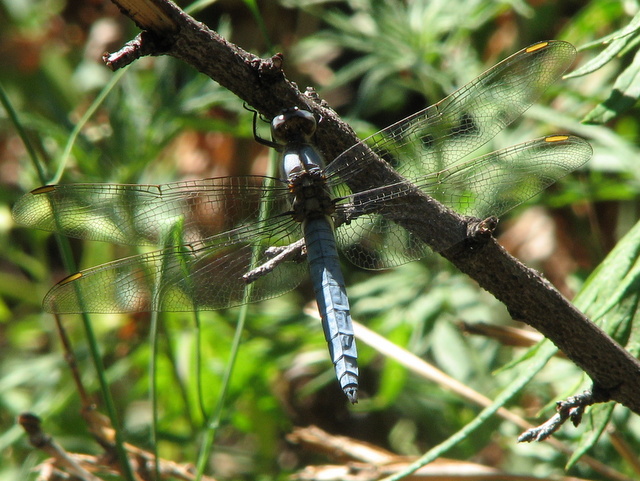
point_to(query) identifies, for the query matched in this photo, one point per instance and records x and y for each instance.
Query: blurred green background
(374, 62)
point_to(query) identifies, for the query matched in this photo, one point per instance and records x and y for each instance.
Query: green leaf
(610, 295)
(624, 95)
(617, 41)
(598, 418)
(610, 298)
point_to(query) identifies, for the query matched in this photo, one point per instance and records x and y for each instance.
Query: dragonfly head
(293, 126)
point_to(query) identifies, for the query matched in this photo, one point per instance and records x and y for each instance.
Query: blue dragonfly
(233, 240)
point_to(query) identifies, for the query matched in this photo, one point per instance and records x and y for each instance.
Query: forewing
(488, 185)
(439, 136)
(144, 214)
(202, 275)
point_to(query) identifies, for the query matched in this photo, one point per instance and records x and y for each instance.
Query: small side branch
(146, 43)
(571, 409)
(293, 252)
(40, 440)
(79, 466)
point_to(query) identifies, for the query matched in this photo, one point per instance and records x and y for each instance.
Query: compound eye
(307, 122)
(293, 125)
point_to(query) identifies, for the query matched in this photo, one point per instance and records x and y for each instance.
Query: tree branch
(529, 297)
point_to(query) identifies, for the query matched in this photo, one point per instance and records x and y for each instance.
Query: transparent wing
(441, 135)
(143, 214)
(488, 185)
(436, 140)
(203, 275)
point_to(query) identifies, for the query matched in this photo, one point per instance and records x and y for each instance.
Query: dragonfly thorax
(302, 164)
(311, 195)
(297, 158)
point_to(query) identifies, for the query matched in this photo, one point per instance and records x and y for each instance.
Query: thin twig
(573, 409)
(40, 440)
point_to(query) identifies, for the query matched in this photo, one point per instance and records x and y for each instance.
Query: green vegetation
(374, 62)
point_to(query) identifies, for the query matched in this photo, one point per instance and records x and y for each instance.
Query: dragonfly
(223, 242)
